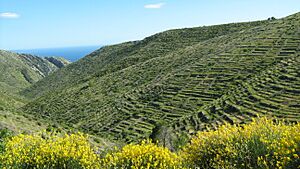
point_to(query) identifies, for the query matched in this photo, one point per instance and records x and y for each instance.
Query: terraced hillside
(129, 90)
(114, 58)
(273, 92)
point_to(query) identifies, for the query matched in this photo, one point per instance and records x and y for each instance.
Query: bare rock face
(58, 61)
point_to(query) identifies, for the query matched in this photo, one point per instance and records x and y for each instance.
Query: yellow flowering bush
(145, 155)
(260, 144)
(45, 150)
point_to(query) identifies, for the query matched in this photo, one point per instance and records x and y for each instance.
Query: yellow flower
(269, 144)
(144, 155)
(44, 150)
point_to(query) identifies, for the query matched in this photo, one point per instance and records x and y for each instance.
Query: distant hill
(19, 71)
(182, 80)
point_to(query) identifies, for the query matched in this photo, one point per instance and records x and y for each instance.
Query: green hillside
(186, 80)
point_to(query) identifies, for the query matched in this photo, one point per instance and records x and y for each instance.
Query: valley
(197, 88)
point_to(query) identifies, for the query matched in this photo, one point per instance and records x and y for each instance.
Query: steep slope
(132, 88)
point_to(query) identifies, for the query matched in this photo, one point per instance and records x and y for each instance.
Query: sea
(70, 53)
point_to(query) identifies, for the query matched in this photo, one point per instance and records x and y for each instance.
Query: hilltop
(177, 82)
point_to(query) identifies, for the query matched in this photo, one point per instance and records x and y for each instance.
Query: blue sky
(26, 24)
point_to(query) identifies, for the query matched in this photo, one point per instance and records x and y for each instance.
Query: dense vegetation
(260, 144)
(177, 82)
